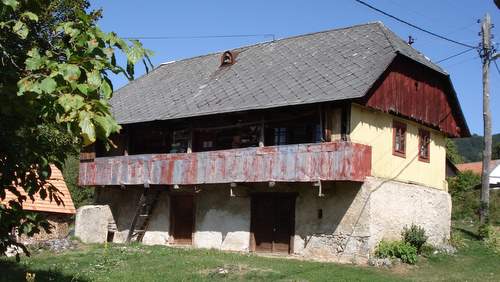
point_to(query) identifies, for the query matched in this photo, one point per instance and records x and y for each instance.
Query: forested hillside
(471, 148)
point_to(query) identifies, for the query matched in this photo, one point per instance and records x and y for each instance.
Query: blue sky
(454, 19)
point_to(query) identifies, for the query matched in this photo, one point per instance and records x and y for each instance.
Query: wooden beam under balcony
(330, 161)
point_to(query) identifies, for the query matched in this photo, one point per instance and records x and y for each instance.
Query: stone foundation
(355, 216)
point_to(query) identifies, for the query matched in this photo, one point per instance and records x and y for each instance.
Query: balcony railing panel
(287, 163)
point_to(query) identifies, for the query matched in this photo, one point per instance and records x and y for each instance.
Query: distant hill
(471, 148)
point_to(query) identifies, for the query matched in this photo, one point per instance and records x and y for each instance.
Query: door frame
(292, 195)
(171, 224)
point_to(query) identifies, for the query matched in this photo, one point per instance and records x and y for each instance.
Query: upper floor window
(280, 136)
(399, 139)
(424, 140)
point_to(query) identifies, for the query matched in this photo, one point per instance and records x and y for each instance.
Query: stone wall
(394, 205)
(91, 223)
(345, 224)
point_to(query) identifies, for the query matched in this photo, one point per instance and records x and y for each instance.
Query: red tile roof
(477, 167)
(46, 205)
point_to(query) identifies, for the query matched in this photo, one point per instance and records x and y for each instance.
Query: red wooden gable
(413, 91)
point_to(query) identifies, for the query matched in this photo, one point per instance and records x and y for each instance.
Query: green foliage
(457, 240)
(54, 93)
(465, 202)
(452, 152)
(415, 236)
(471, 148)
(495, 153)
(81, 196)
(427, 250)
(397, 249)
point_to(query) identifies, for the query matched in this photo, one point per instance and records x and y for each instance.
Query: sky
(456, 19)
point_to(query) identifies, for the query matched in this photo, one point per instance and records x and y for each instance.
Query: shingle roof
(331, 65)
(46, 205)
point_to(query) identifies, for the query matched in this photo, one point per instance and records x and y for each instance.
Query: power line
(496, 65)
(414, 26)
(455, 55)
(202, 36)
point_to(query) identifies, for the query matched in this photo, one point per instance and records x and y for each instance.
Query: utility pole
(486, 57)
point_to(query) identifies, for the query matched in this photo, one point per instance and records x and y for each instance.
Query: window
(399, 139)
(280, 136)
(424, 140)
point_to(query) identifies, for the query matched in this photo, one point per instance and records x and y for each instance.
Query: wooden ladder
(143, 213)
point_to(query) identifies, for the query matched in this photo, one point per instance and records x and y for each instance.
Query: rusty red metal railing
(330, 161)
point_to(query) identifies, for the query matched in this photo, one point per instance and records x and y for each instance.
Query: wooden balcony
(331, 161)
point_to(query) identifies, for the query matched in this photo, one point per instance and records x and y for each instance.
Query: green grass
(474, 262)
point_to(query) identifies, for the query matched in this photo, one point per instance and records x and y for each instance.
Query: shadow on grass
(13, 271)
(470, 234)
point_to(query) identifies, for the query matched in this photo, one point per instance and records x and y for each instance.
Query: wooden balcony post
(262, 133)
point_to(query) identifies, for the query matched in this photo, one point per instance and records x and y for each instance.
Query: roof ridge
(392, 36)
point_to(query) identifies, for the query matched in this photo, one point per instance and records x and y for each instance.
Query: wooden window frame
(421, 134)
(395, 126)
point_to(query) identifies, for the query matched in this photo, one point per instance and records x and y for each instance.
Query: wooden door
(272, 222)
(182, 219)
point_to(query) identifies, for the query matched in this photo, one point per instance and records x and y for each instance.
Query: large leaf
(136, 52)
(106, 90)
(48, 85)
(12, 3)
(94, 79)
(34, 61)
(21, 29)
(87, 128)
(69, 72)
(71, 102)
(106, 125)
(29, 15)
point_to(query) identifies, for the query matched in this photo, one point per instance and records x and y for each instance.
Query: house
(59, 215)
(317, 145)
(477, 167)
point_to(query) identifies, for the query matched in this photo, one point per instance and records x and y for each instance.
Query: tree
(452, 152)
(495, 154)
(54, 93)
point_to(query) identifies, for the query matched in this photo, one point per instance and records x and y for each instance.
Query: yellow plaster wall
(374, 128)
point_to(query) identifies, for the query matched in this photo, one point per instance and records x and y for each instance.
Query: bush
(464, 197)
(490, 236)
(397, 249)
(457, 240)
(415, 236)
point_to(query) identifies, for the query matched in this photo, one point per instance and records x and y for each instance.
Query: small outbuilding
(59, 215)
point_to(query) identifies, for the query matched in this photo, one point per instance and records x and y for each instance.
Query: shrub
(457, 240)
(397, 249)
(427, 250)
(490, 236)
(415, 236)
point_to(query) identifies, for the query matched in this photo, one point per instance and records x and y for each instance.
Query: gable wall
(411, 90)
(374, 128)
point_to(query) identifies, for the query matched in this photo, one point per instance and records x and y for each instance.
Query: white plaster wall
(222, 221)
(159, 223)
(394, 205)
(355, 216)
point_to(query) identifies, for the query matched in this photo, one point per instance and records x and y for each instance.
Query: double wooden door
(272, 222)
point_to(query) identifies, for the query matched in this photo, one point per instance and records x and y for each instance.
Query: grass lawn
(146, 263)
